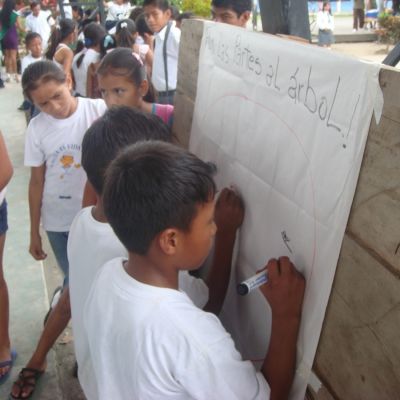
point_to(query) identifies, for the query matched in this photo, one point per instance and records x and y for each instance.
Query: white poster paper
(286, 123)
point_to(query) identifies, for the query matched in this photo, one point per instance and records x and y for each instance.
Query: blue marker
(252, 283)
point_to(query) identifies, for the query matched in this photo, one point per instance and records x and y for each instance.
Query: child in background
(117, 10)
(104, 140)
(33, 43)
(7, 356)
(122, 81)
(166, 52)
(93, 35)
(325, 25)
(61, 40)
(126, 35)
(107, 44)
(53, 151)
(232, 12)
(145, 33)
(151, 341)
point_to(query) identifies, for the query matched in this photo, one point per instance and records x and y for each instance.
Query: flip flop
(27, 378)
(8, 363)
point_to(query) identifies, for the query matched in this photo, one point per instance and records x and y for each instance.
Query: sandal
(8, 363)
(27, 378)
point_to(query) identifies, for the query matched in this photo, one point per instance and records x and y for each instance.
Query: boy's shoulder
(84, 221)
(168, 309)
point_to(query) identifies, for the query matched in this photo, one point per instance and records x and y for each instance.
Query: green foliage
(389, 28)
(200, 8)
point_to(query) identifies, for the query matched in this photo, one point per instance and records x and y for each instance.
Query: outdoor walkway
(29, 285)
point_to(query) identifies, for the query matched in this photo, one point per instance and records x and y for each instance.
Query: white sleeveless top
(59, 47)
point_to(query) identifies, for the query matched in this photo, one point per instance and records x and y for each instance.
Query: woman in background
(325, 26)
(9, 38)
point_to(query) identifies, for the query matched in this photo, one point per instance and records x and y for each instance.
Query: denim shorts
(3, 218)
(58, 242)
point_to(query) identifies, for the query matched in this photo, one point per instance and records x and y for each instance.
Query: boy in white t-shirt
(117, 129)
(147, 338)
(166, 49)
(33, 43)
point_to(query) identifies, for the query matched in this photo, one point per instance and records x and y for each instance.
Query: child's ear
(167, 13)
(169, 241)
(244, 17)
(144, 87)
(68, 81)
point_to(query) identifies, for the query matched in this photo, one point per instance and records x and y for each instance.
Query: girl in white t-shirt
(93, 34)
(53, 151)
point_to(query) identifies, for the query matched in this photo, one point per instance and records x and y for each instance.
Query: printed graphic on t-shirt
(67, 162)
(66, 159)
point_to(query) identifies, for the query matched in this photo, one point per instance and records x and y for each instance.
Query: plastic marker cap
(252, 283)
(242, 289)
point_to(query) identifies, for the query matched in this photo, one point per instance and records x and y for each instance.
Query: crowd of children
(144, 326)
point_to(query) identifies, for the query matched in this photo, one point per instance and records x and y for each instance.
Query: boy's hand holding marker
(284, 289)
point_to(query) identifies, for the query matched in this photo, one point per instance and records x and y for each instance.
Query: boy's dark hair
(78, 9)
(122, 62)
(239, 6)
(118, 128)
(60, 32)
(34, 4)
(174, 11)
(38, 73)
(141, 26)
(124, 33)
(153, 186)
(135, 13)
(161, 4)
(30, 36)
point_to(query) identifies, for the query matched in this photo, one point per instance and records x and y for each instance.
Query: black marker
(252, 283)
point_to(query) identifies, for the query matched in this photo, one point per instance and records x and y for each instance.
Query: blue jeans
(3, 217)
(58, 242)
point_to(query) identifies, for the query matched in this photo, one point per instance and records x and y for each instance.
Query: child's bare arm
(6, 168)
(229, 213)
(284, 292)
(89, 81)
(36, 185)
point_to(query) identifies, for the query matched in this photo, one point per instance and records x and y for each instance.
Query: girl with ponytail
(93, 34)
(62, 39)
